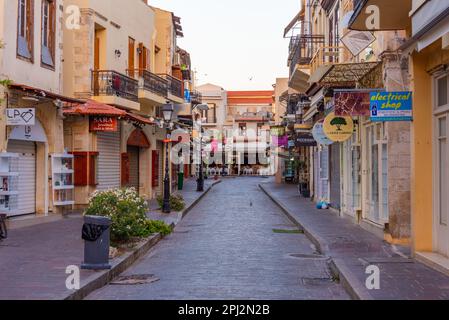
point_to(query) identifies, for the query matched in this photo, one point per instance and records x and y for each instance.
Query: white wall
(21, 71)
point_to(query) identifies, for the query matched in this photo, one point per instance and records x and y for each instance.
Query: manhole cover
(135, 280)
(307, 256)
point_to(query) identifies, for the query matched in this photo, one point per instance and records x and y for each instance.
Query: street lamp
(200, 181)
(167, 112)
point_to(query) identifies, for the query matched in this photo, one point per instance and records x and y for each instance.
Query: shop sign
(291, 144)
(357, 41)
(391, 106)
(338, 128)
(280, 141)
(352, 103)
(277, 131)
(319, 135)
(305, 140)
(20, 116)
(103, 124)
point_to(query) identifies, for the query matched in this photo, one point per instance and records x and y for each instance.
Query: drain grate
(307, 256)
(316, 281)
(288, 231)
(134, 280)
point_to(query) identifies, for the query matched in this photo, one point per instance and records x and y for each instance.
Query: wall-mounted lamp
(118, 54)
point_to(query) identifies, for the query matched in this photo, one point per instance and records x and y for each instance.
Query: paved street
(226, 248)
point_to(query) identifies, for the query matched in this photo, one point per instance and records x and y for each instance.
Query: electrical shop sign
(338, 128)
(20, 117)
(391, 106)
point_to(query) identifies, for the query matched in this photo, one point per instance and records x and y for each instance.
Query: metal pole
(166, 205)
(200, 181)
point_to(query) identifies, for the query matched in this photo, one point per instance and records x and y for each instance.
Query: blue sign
(187, 96)
(391, 106)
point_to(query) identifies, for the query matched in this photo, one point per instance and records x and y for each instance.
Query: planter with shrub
(127, 211)
(177, 202)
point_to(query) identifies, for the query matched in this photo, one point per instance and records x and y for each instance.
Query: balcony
(152, 87)
(327, 56)
(175, 88)
(114, 88)
(302, 49)
(196, 97)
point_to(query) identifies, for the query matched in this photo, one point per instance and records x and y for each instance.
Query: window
(25, 29)
(48, 33)
(242, 130)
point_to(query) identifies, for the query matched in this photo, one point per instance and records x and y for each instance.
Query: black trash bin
(96, 235)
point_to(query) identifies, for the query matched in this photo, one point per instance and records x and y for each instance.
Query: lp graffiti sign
(20, 117)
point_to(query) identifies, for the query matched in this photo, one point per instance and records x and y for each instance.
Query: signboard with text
(391, 106)
(20, 116)
(103, 124)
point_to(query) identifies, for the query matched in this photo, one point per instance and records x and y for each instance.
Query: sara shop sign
(391, 106)
(338, 128)
(103, 124)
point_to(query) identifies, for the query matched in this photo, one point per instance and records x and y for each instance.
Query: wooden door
(96, 65)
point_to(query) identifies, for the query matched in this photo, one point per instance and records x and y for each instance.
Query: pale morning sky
(234, 41)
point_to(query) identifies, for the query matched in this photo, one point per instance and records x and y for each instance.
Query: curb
(350, 283)
(319, 242)
(102, 278)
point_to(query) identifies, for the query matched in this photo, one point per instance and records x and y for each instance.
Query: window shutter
(155, 168)
(125, 169)
(93, 168)
(30, 26)
(80, 169)
(52, 29)
(141, 59)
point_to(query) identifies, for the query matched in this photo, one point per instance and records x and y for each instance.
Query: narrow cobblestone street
(227, 248)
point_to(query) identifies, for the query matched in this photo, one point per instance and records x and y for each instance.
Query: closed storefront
(376, 173)
(27, 176)
(108, 144)
(335, 175)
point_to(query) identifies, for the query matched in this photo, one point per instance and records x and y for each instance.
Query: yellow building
(124, 55)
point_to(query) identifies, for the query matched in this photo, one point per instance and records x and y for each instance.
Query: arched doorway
(132, 166)
(30, 143)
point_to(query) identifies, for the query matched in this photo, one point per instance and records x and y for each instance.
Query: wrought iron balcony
(112, 83)
(151, 82)
(196, 97)
(175, 86)
(302, 49)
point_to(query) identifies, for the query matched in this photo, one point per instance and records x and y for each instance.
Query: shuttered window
(48, 32)
(25, 45)
(155, 169)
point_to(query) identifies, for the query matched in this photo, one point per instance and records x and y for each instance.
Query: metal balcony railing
(302, 49)
(175, 86)
(112, 83)
(327, 56)
(151, 82)
(196, 97)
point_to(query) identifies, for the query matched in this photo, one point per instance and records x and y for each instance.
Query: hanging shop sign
(280, 141)
(338, 128)
(103, 124)
(277, 131)
(357, 41)
(20, 117)
(391, 106)
(319, 135)
(305, 140)
(352, 103)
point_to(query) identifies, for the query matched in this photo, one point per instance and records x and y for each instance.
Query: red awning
(43, 93)
(139, 119)
(94, 108)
